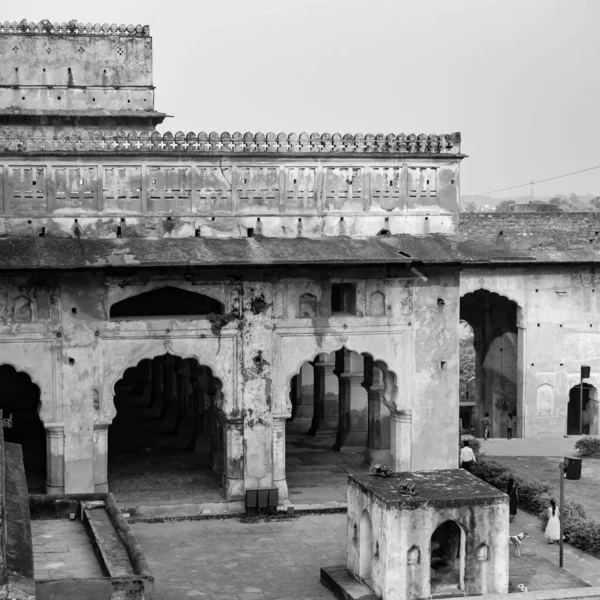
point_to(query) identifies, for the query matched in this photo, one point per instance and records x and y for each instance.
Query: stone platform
(535, 573)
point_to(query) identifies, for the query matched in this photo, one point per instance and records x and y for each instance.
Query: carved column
(55, 458)
(305, 392)
(279, 479)
(401, 440)
(326, 397)
(101, 456)
(233, 467)
(216, 452)
(378, 447)
(353, 430)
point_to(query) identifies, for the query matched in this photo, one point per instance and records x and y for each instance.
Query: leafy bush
(534, 496)
(588, 446)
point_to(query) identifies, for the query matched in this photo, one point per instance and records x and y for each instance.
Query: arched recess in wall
(166, 301)
(498, 359)
(365, 547)
(169, 427)
(447, 557)
(582, 410)
(20, 404)
(388, 380)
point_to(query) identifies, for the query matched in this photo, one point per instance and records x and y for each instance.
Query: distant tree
(505, 205)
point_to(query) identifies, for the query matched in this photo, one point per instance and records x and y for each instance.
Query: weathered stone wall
(56, 328)
(558, 314)
(76, 71)
(400, 542)
(177, 196)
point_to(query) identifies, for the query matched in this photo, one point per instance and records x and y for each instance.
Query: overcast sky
(519, 78)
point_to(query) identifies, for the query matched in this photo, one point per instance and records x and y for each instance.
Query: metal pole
(560, 514)
(581, 406)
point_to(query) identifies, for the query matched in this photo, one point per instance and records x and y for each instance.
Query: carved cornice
(74, 27)
(215, 143)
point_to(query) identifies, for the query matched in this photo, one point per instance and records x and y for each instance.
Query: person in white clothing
(467, 456)
(552, 531)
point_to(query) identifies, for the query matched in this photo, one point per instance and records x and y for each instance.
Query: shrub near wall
(534, 497)
(588, 446)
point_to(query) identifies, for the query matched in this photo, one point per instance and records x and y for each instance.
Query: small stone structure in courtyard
(448, 538)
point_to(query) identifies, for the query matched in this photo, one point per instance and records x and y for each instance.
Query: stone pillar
(378, 446)
(101, 456)
(279, 479)
(233, 468)
(305, 393)
(55, 458)
(401, 440)
(326, 397)
(353, 430)
(216, 452)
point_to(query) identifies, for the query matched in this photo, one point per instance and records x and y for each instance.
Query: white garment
(552, 531)
(466, 454)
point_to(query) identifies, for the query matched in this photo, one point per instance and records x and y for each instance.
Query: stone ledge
(343, 586)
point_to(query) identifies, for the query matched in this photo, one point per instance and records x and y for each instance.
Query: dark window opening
(343, 298)
(166, 302)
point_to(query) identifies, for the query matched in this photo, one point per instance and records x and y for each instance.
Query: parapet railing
(85, 141)
(45, 27)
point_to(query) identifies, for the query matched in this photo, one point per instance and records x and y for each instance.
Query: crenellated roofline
(74, 27)
(191, 143)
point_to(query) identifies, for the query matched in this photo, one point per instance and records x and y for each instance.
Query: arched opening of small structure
(365, 548)
(20, 402)
(166, 441)
(166, 301)
(582, 410)
(495, 390)
(447, 558)
(339, 421)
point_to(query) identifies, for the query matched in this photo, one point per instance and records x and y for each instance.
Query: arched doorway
(166, 442)
(20, 403)
(582, 410)
(447, 566)
(365, 548)
(498, 369)
(339, 422)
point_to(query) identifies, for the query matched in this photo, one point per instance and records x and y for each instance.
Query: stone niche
(450, 539)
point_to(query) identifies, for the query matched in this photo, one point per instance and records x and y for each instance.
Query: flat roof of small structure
(447, 487)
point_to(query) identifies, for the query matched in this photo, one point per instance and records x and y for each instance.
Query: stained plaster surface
(455, 487)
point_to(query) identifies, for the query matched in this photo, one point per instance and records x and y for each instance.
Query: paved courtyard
(280, 560)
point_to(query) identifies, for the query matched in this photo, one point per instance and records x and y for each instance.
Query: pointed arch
(167, 301)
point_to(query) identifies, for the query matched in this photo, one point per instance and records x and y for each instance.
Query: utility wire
(514, 187)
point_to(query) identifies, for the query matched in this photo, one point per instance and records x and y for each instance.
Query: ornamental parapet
(74, 27)
(202, 143)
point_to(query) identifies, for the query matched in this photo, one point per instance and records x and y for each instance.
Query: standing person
(552, 531)
(487, 424)
(513, 498)
(509, 425)
(467, 456)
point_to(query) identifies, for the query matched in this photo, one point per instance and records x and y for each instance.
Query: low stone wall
(116, 546)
